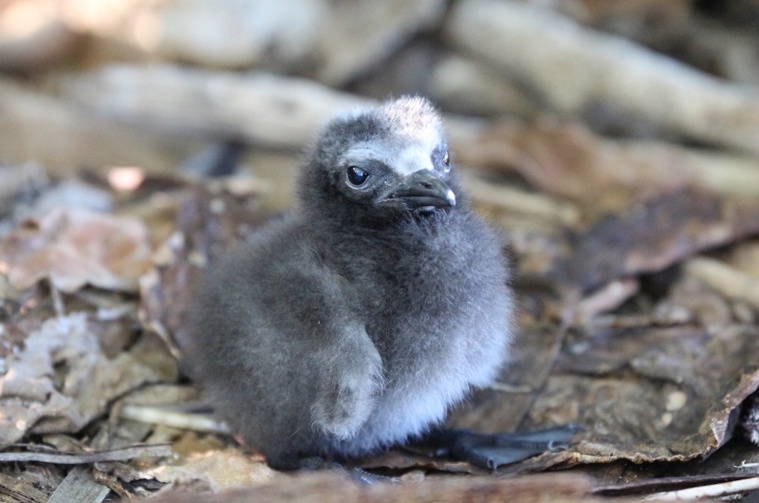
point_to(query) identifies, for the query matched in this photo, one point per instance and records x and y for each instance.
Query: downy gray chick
(356, 322)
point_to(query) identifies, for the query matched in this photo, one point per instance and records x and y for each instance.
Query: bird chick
(356, 322)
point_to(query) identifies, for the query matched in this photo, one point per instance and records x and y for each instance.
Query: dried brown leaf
(655, 235)
(59, 379)
(208, 224)
(651, 394)
(73, 247)
(600, 174)
(502, 408)
(203, 462)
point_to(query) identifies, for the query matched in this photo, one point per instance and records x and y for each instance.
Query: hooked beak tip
(424, 190)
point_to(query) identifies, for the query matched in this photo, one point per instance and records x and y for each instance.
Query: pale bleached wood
(465, 85)
(568, 159)
(263, 108)
(358, 35)
(711, 491)
(729, 281)
(79, 486)
(577, 69)
(519, 201)
(64, 138)
(172, 418)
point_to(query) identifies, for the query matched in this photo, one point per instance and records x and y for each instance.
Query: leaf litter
(635, 266)
(633, 374)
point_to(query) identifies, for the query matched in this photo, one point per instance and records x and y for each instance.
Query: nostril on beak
(426, 185)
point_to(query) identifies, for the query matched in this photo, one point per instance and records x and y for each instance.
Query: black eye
(356, 175)
(445, 159)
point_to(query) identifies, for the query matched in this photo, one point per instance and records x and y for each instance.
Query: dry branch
(37, 127)
(175, 419)
(464, 85)
(358, 35)
(265, 109)
(710, 491)
(521, 202)
(727, 280)
(600, 174)
(577, 69)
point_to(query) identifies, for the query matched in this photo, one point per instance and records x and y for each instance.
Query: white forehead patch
(413, 129)
(402, 157)
(412, 117)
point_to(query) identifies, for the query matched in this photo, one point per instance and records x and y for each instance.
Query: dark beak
(423, 190)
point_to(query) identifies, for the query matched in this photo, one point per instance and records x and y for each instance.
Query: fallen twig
(710, 491)
(78, 458)
(175, 419)
(727, 280)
